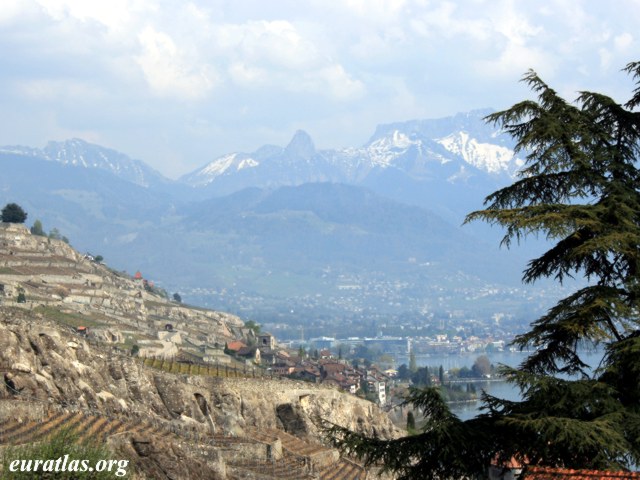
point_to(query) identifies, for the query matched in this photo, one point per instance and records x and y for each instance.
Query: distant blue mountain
(448, 165)
(288, 222)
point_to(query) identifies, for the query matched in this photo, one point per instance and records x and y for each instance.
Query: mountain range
(447, 165)
(290, 222)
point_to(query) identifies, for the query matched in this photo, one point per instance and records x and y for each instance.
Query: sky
(178, 83)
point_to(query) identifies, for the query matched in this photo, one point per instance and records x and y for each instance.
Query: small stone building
(266, 340)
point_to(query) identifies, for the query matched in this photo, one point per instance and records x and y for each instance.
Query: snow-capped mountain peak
(219, 165)
(383, 151)
(489, 157)
(79, 153)
(452, 149)
(225, 165)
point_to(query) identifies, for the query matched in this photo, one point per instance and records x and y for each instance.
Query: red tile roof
(235, 345)
(548, 473)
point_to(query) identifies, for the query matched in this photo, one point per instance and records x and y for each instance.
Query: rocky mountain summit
(169, 425)
(450, 150)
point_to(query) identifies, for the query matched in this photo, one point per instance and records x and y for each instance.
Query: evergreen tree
(403, 372)
(422, 377)
(411, 421)
(13, 213)
(580, 188)
(37, 229)
(55, 234)
(413, 365)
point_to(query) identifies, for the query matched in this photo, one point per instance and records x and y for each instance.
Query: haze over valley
(363, 240)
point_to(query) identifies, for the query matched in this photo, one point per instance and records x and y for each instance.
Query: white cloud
(521, 44)
(623, 41)
(448, 20)
(277, 55)
(12, 9)
(248, 76)
(275, 43)
(605, 58)
(379, 11)
(169, 71)
(112, 13)
(332, 81)
(263, 67)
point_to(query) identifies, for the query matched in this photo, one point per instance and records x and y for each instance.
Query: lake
(500, 389)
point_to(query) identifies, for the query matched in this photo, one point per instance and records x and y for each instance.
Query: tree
(37, 229)
(403, 372)
(177, 298)
(253, 326)
(422, 377)
(13, 213)
(481, 367)
(413, 365)
(55, 234)
(411, 422)
(580, 188)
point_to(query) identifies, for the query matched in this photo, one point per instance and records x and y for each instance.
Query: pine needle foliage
(579, 189)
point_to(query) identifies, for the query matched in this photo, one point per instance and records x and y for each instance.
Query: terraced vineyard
(217, 370)
(299, 458)
(344, 470)
(87, 428)
(325, 462)
(288, 467)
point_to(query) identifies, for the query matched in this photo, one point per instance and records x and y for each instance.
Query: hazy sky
(177, 83)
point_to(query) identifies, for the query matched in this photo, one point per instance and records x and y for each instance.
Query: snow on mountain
(451, 148)
(484, 156)
(224, 165)
(21, 150)
(299, 154)
(78, 153)
(384, 151)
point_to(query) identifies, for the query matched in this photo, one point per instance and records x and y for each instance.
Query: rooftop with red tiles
(548, 473)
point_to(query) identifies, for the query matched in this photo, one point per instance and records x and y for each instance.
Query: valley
(337, 236)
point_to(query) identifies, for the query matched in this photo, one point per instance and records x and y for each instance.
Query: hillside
(170, 425)
(58, 281)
